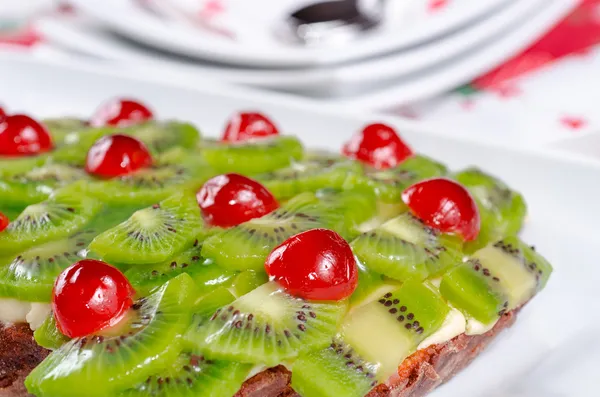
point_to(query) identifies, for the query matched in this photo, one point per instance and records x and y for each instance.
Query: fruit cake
(139, 258)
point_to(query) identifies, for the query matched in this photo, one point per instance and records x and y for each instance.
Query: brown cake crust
(419, 374)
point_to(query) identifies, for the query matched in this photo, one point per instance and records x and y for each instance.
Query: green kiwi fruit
(36, 184)
(404, 248)
(103, 365)
(206, 275)
(154, 234)
(266, 326)
(337, 371)
(193, 375)
(64, 213)
(10, 166)
(247, 245)
(371, 286)
(48, 336)
(386, 331)
(153, 184)
(477, 295)
(389, 184)
(308, 176)
(157, 136)
(30, 275)
(160, 136)
(252, 157)
(501, 209)
(64, 130)
(247, 281)
(209, 302)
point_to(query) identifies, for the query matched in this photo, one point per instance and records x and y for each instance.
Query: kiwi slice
(17, 165)
(64, 130)
(404, 248)
(160, 136)
(501, 209)
(371, 286)
(247, 281)
(153, 184)
(218, 297)
(308, 175)
(476, 294)
(152, 235)
(193, 375)
(266, 326)
(247, 245)
(65, 212)
(252, 157)
(337, 371)
(386, 331)
(30, 276)
(48, 336)
(206, 275)
(35, 185)
(157, 136)
(103, 365)
(389, 184)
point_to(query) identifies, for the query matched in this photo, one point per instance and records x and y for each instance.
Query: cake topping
(377, 145)
(230, 199)
(248, 125)
(121, 112)
(117, 155)
(3, 222)
(90, 296)
(20, 135)
(317, 264)
(444, 205)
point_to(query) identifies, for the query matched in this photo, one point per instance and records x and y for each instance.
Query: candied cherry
(3, 222)
(444, 205)
(121, 112)
(230, 199)
(377, 145)
(117, 155)
(90, 296)
(317, 264)
(248, 125)
(20, 135)
(2, 113)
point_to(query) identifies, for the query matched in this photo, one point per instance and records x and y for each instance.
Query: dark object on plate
(335, 21)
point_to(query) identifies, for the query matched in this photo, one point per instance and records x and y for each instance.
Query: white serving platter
(254, 27)
(551, 351)
(84, 35)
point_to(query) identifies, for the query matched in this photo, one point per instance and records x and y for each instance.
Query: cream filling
(454, 324)
(13, 311)
(475, 327)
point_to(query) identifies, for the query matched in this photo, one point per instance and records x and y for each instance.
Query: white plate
(560, 323)
(467, 67)
(86, 36)
(256, 43)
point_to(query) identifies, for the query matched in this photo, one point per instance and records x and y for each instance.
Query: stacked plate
(420, 47)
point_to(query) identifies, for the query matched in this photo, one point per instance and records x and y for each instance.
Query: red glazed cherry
(3, 222)
(2, 113)
(21, 135)
(317, 264)
(244, 126)
(444, 205)
(230, 199)
(377, 145)
(90, 296)
(116, 155)
(120, 112)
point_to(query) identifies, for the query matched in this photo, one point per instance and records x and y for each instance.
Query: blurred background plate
(86, 36)
(464, 68)
(248, 32)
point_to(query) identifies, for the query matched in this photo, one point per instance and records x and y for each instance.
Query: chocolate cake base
(418, 375)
